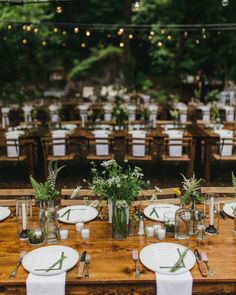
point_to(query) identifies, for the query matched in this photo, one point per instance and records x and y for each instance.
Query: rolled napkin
(179, 284)
(46, 285)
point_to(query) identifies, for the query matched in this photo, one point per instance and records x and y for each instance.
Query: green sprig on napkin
(59, 262)
(154, 211)
(180, 262)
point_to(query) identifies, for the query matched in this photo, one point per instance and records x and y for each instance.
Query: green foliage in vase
(191, 189)
(47, 191)
(234, 182)
(212, 96)
(117, 183)
(214, 112)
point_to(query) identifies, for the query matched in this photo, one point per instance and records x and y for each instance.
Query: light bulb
(225, 3)
(59, 9)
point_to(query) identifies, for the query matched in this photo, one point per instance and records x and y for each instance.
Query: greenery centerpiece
(45, 194)
(192, 195)
(119, 185)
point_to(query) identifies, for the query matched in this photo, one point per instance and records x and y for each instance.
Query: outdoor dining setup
(64, 241)
(117, 147)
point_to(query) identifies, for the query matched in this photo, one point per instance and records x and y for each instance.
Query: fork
(135, 259)
(13, 273)
(87, 262)
(205, 259)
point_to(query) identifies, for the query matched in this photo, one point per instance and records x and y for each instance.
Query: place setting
(77, 213)
(4, 213)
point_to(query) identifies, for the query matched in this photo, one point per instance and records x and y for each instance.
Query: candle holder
(23, 217)
(211, 214)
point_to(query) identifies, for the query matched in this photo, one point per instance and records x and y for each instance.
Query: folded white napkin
(46, 285)
(179, 284)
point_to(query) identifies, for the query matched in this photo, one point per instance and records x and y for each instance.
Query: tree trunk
(127, 60)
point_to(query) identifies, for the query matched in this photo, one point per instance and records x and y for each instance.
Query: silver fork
(135, 259)
(205, 259)
(87, 262)
(13, 274)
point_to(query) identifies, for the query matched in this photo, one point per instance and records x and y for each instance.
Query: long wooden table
(112, 270)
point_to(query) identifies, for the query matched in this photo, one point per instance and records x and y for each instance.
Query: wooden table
(112, 269)
(209, 139)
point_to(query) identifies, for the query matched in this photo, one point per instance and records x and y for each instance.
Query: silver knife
(201, 265)
(81, 265)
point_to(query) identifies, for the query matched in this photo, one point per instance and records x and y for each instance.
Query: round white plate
(160, 210)
(228, 209)
(77, 213)
(160, 257)
(4, 213)
(43, 258)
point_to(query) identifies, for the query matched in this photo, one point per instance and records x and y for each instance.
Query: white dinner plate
(229, 208)
(160, 257)
(156, 212)
(40, 260)
(4, 213)
(77, 213)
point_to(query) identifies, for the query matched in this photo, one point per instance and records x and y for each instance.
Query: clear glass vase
(193, 219)
(119, 222)
(48, 221)
(182, 223)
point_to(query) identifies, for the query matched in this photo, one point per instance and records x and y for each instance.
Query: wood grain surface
(112, 270)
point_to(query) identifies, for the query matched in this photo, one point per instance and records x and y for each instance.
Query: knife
(201, 265)
(81, 265)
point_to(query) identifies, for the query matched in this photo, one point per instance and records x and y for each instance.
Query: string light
(36, 30)
(131, 36)
(197, 41)
(203, 30)
(28, 28)
(5, 38)
(87, 33)
(108, 35)
(152, 33)
(122, 44)
(159, 44)
(76, 30)
(150, 37)
(120, 32)
(225, 3)
(24, 27)
(162, 31)
(136, 6)
(59, 9)
(185, 34)
(169, 37)
(83, 45)
(64, 33)
(24, 41)
(9, 27)
(44, 43)
(204, 36)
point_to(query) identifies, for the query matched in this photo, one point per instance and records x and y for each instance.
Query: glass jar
(51, 224)
(169, 222)
(182, 223)
(119, 221)
(36, 234)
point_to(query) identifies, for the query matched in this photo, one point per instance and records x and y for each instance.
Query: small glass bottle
(141, 231)
(182, 223)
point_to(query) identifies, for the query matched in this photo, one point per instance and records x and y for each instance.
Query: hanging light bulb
(87, 33)
(225, 3)
(59, 9)
(136, 6)
(76, 30)
(131, 36)
(36, 30)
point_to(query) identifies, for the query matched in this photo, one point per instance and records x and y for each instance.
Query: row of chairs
(8, 196)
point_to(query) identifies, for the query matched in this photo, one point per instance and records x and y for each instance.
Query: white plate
(228, 209)
(160, 257)
(45, 257)
(4, 213)
(77, 213)
(160, 210)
